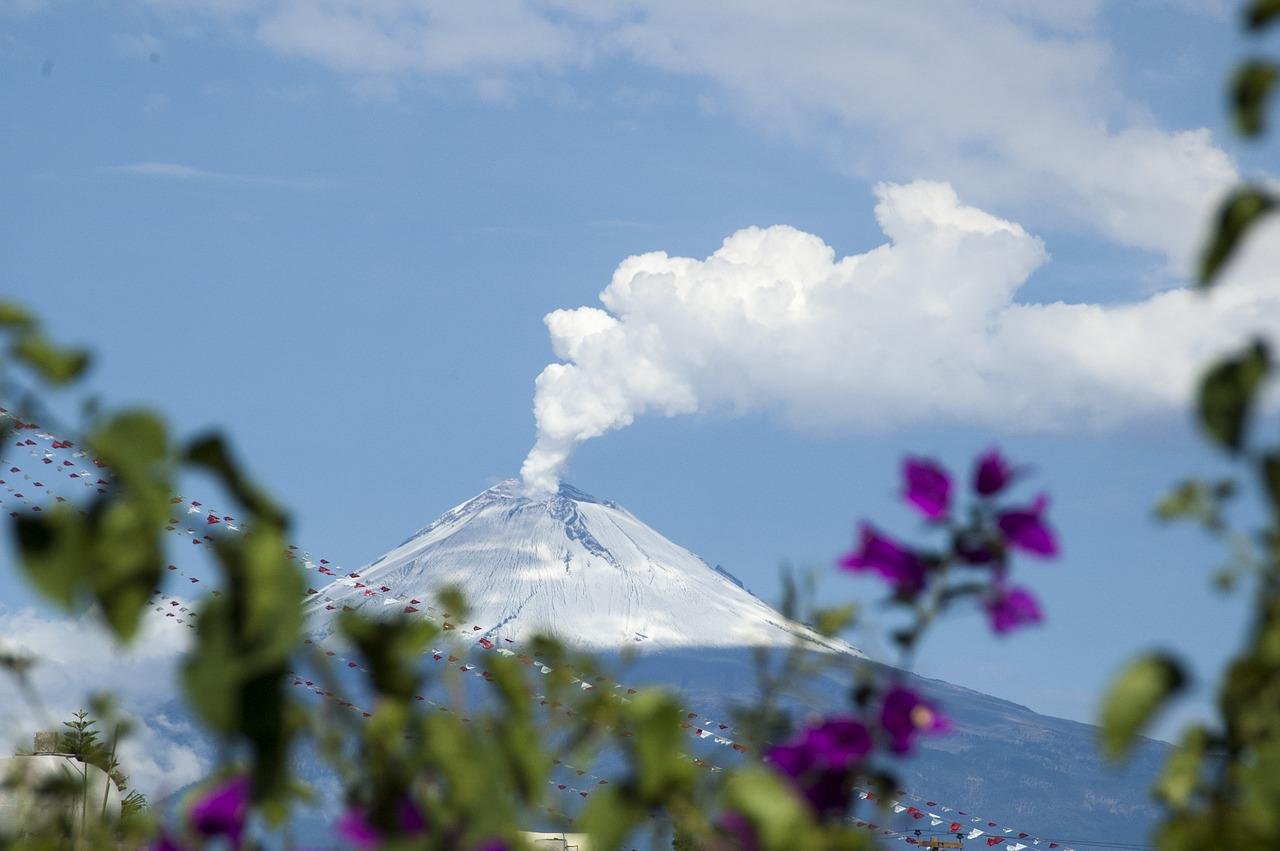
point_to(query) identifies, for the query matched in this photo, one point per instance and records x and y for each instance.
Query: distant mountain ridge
(591, 573)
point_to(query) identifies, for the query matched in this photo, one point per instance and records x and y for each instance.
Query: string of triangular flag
(698, 725)
(960, 822)
(437, 655)
(88, 478)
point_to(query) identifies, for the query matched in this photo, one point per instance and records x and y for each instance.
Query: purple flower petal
(410, 817)
(164, 842)
(355, 829)
(740, 832)
(492, 845)
(904, 715)
(222, 810)
(992, 473)
(838, 742)
(1012, 608)
(927, 487)
(792, 760)
(819, 759)
(1026, 529)
(885, 556)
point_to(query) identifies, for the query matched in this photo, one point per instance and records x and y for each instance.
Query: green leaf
(781, 821)
(392, 648)
(661, 769)
(1226, 394)
(210, 451)
(54, 551)
(1270, 469)
(831, 621)
(235, 675)
(1134, 698)
(1181, 774)
(1197, 500)
(135, 445)
(1250, 90)
(1260, 14)
(1239, 212)
(54, 364)
(13, 316)
(128, 561)
(610, 817)
(112, 554)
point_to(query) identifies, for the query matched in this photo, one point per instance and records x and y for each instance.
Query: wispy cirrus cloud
(1020, 104)
(191, 174)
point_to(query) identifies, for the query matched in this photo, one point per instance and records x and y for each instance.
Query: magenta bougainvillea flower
(818, 761)
(358, 831)
(904, 715)
(355, 830)
(492, 845)
(165, 842)
(839, 742)
(1027, 530)
(885, 556)
(222, 810)
(927, 486)
(740, 832)
(1011, 608)
(410, 817)
(992, 473)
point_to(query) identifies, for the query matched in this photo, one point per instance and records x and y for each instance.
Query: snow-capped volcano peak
(569, 564)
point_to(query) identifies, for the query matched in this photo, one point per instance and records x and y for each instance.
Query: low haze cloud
(76, 659)
(923, 329)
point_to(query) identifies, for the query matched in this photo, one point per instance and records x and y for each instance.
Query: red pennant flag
(408, 610)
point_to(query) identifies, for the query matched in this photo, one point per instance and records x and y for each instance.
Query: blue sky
(335, 234)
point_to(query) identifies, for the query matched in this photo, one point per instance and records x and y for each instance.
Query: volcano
(582, 569)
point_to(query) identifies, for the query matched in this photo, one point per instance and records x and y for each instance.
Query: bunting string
(696, 724)
(77, 466)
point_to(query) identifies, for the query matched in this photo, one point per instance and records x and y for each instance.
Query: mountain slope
(591, 573)
(583, 569)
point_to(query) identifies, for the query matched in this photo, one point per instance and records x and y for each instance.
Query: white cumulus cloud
(925, 328)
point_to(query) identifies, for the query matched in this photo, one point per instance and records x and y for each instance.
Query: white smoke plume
(924, 328)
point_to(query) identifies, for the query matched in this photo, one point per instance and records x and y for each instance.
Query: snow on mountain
(569, 564)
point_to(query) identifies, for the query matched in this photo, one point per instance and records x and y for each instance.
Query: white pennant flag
(974, 834)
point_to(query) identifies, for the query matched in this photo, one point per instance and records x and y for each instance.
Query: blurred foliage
(462, 773)
(1221, 785)
(457, 769)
